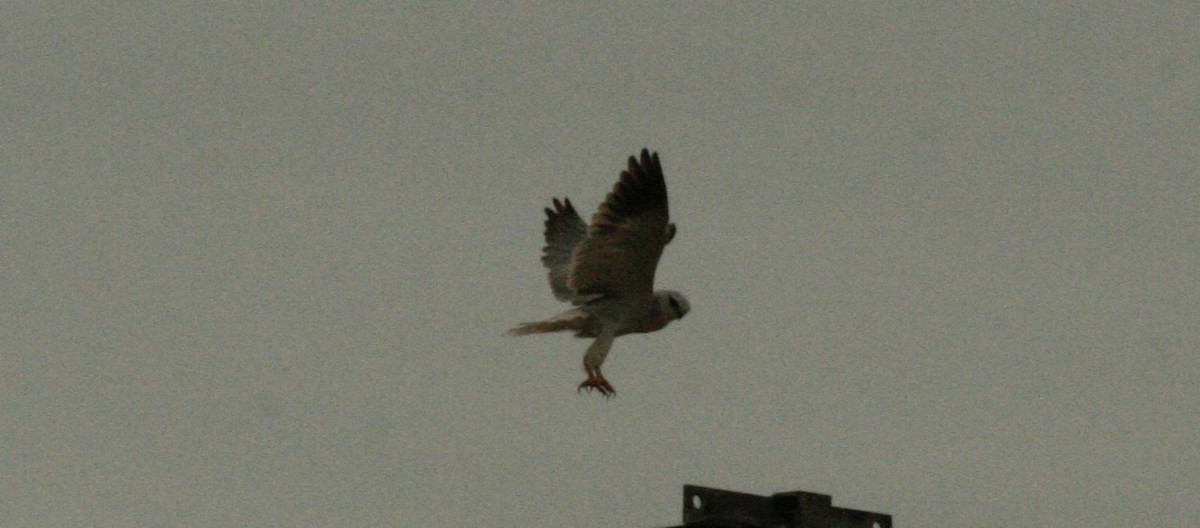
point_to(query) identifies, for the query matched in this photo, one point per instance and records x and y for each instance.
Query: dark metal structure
(715, 508)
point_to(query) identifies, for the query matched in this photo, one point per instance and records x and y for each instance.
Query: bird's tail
(568, 320)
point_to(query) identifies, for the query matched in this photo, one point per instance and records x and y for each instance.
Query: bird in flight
(606, 269)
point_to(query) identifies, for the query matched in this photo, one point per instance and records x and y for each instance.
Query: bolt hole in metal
(696, 502)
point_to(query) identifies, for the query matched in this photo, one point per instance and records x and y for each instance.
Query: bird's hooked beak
(679, 304)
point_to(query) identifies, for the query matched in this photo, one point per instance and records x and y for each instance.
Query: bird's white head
(674, 303)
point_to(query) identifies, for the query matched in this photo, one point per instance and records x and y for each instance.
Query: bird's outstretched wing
(564, 230)
(619, 255)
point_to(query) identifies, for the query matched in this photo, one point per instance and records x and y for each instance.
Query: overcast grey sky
(257, 262)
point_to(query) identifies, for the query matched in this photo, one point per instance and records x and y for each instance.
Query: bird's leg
(596, 381)
(594, 357)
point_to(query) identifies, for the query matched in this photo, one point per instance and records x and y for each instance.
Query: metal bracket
(715, 508)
